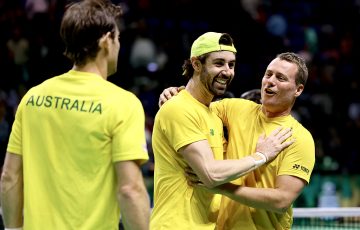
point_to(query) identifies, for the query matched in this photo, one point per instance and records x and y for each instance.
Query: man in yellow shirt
(77, 142)
(187, 133)
(263, 198)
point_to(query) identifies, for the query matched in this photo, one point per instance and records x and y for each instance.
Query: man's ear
(299, 90)
(196, 64)
(104, 41)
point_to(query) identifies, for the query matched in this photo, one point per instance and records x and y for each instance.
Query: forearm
(212, 172)
(269, 199)
(227, 170)
(135, 208)
(12, 200)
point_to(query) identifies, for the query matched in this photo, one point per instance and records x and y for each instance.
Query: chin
(219, 93)
(267, 103)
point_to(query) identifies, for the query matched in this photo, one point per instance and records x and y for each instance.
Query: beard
(215, 88)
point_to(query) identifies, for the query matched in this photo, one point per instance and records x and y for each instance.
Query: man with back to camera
(78, 141)
(187, 133)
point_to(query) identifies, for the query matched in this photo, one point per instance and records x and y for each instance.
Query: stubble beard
(210, 85)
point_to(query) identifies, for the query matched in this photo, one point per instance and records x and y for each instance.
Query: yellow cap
(209, 42)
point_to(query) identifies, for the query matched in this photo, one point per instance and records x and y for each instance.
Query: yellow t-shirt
(246, 122)
(179, 122)
(70, 130)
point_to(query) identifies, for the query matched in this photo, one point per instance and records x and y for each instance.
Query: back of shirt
(70, 130)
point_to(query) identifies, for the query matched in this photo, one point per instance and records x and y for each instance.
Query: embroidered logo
(212, 132)
(302, 168)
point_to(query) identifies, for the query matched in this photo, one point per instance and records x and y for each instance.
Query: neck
(198, 91)
(98, 66)
(272, 114)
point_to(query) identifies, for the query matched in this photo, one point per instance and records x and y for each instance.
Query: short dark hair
(83, 24)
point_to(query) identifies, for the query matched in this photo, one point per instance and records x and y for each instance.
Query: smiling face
(279, 89)
(218, 71)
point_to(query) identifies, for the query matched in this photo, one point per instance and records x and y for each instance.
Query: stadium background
(156, 36)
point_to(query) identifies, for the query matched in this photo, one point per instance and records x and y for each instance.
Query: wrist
(262, 155)
(259, 159)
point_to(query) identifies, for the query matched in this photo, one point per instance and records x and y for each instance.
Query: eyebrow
(277, 73)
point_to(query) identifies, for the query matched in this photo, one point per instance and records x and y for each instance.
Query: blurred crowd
(156, 37)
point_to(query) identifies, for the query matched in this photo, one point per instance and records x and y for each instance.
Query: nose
(227, 70)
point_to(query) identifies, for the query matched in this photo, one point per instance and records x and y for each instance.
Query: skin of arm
(12, 196)
(277, 199)
(213, 172)
(132, 196)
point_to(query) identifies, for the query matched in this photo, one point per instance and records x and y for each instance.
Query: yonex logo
(302, 168)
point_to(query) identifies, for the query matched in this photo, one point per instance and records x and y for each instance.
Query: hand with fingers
(272, 145)
(169, 93)
(194, 181)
